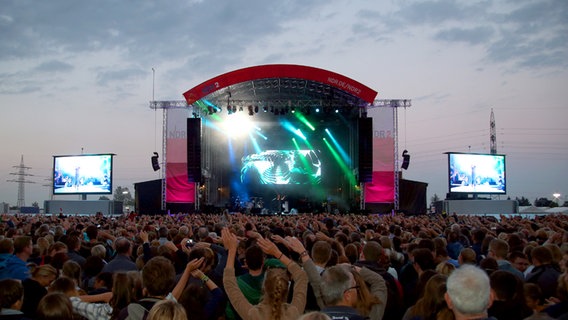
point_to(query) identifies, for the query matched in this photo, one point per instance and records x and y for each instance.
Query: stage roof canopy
(282, 85)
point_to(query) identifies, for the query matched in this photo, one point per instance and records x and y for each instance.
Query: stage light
(293, 110)
(237, 126)
(265, 109)
(317, 110)
(336, 110)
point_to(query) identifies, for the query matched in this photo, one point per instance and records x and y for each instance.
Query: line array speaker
(405, 160)
(194, 149)
(365, 126)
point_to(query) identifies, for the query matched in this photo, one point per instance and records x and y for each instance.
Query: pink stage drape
(382, 187)
(178, 188)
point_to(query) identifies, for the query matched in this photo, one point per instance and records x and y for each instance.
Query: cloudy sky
(76, 76)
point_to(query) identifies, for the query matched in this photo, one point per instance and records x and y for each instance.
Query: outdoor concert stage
(277, 138)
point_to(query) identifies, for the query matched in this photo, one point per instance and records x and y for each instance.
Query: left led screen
(82, 174)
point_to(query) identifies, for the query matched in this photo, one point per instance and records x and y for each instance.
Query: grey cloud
(54, 66)
(273, 58)
(15, 86)
(150, 30)
(104, 78)
(411, 14)
(471, 36)
(5, 20)
(532, 34)
(433, 12)
(540, 14)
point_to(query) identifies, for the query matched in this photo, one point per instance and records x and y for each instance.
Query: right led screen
(476, 173)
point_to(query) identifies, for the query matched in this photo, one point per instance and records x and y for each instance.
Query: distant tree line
(523, 202)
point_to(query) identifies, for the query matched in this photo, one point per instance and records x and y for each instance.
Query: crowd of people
(306, 266)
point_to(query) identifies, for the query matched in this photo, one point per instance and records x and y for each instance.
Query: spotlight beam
(340, 149)
(342, 164)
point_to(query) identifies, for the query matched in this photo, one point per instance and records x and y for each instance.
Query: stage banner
(178, 187)
(381, 189)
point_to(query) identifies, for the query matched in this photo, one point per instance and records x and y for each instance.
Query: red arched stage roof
(282, 82)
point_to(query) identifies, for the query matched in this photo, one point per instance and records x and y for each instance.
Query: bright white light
(237, 125)
(556, 195)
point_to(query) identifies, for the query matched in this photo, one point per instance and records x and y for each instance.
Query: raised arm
(190, 267)
(237, 298)
(298, 275)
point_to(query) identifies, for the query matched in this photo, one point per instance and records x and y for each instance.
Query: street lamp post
(556, 196)
(125, 207)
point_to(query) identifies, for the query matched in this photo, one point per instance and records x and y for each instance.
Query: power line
(21, 179)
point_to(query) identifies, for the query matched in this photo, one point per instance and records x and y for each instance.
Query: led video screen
(82, 174)
(476, 173)
(282, 167)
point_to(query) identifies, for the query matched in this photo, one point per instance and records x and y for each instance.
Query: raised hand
(278, 239)
(143, 236)
(295, 244)
(268, 247)
(194, 264)
(230, 241)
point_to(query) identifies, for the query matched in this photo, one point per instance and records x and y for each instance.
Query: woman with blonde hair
(167, 310)
(273, 304)
(42, 245)
(445, 268)
(35, 287)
